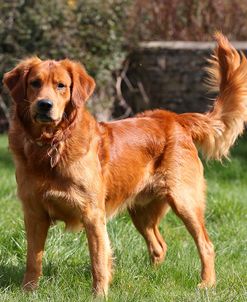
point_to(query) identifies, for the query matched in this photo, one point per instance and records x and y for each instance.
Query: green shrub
(90, 31)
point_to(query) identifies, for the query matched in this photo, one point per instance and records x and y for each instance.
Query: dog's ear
(82, 86)
(15, 80)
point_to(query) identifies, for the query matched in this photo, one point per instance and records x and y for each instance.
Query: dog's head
(42, 90)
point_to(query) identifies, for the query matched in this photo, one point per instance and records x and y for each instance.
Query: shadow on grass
(54, 270)
(5, 159)
(240, 149)
(11, 276)
(227, 170)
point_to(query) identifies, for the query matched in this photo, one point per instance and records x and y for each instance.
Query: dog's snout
(44, 105)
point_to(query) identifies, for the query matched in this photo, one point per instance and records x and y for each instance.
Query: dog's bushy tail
(216, 131)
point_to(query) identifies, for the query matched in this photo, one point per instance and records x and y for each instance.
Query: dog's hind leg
(146, 219)
(184, 189)
(191, 212)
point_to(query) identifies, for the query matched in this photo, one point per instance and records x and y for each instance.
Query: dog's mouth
(45, 119)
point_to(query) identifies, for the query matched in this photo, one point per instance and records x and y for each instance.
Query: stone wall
(167, 75)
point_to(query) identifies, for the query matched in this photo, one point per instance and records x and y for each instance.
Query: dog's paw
(30, 282)
(29, 286)
(206, 284)
(157, 261)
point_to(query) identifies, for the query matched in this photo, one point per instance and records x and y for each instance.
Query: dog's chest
(62, 194)
(65, 205)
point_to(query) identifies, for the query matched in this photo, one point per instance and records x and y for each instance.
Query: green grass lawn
(67, 274)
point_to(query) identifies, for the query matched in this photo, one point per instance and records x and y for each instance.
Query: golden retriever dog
(70, 167)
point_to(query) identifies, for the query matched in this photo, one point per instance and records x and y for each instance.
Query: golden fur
(69, 167)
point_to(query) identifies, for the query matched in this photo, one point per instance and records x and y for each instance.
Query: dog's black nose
(44, 105)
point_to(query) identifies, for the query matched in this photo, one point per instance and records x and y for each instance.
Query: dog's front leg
(36, 232)
(99, 247)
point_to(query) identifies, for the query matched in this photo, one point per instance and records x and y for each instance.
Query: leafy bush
(86, 30)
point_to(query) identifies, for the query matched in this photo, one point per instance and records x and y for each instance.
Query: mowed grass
(66, 262)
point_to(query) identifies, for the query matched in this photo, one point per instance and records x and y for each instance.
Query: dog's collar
(53, 149)
(40, 143)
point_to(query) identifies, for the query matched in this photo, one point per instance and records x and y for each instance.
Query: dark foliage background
(85, 30)
(99, 33)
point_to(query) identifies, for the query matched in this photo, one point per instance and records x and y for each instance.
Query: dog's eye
(60, 85)
(36, 83)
